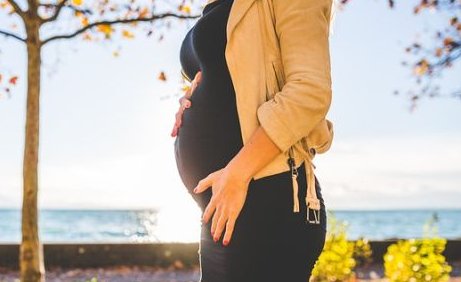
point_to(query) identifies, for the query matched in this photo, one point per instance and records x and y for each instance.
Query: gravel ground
(113, 274)
(372, 273)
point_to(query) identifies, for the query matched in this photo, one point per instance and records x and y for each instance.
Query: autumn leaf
(77, 2)
(106, 29)
(4, 4)
(13, 80)
(143, 13)
(127, 34)
(84, 21)
(87, 36)
(447, 41)
(162, 76)
(438, 52)
(421, 67)
(185, 8)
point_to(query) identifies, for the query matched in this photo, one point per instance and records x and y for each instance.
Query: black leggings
(270, 243)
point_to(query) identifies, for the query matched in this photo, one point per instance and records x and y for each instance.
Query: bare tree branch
(9, 34)
(119, 21)
(56, 13)
(17, 9)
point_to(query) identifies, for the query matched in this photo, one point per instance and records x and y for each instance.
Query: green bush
(336, 262)
(417, 260)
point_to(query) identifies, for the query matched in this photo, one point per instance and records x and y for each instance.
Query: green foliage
(418, 260)
(336, 262)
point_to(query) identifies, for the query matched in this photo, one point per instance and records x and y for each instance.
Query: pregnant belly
(209, 135)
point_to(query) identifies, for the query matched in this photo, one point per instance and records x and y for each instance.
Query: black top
(209, 136)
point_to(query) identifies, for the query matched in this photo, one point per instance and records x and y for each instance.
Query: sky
(105, 121)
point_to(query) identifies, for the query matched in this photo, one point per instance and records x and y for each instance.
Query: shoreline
(160, 262)
(74, 255)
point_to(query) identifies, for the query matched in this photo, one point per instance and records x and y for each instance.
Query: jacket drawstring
(312, 202)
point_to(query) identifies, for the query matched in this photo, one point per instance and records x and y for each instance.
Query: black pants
(270, 243)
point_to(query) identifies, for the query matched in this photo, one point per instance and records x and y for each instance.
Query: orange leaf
(447, 41)
(13, 80)
(127, 34)
(106, 29)
(162, 76)
(421, 67)
(184, 8)
(143, 13)
(4, 4)
(84, 21)
(438, 52)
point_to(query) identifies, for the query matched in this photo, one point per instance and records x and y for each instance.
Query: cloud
(397, 172)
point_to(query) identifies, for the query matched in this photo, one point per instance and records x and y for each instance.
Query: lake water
(152, 226)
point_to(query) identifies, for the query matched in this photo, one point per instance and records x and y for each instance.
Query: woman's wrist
(236, 169)
(253, 156)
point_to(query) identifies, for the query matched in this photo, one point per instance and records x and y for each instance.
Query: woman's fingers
(219, 221)
(208, 181)
(177, 123)
(229, 230)
(210, 208)
(223, 219)
(185, 103)
(214, 221)
(174, 131)
(195, 82)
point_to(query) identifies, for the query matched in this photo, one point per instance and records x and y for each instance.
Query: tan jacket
(278, 56)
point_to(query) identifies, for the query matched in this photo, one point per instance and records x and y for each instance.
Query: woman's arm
(302, 27)
(259, 151)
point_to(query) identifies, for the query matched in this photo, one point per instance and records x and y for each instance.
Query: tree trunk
(31, 251)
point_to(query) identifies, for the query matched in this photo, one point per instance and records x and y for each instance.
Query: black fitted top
(209, 136)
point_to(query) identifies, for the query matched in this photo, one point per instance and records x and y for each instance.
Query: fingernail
(195, 190)
(226, 242)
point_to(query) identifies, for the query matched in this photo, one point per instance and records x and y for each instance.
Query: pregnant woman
(254, 226)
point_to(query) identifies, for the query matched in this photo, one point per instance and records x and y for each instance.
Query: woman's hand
(184, 103)
(229, 195)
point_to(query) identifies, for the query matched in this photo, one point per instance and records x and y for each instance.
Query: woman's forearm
(254, 155)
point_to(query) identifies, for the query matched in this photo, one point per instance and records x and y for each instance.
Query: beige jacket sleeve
(302, 27)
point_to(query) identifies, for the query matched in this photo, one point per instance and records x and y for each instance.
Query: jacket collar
(238, 10)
